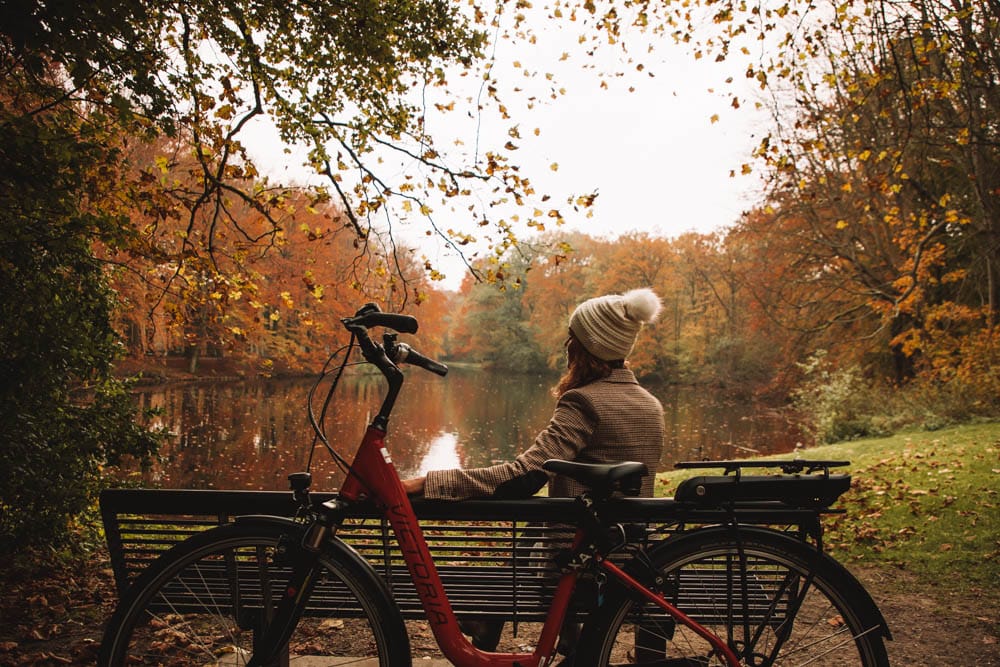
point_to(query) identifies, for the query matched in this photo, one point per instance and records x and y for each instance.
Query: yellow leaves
(842, 224)
(554, 166)
(714, 119)
(746, 169)
(955, 276)
(846, 187)
(286, 297)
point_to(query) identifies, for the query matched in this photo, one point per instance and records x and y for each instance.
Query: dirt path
(934, 628)
(55, 618)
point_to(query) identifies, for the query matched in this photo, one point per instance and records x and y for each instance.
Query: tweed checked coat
(606, 421)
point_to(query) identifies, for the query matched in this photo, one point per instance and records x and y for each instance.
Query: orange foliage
(267, 296)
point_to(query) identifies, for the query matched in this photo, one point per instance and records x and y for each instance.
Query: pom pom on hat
(608, 325)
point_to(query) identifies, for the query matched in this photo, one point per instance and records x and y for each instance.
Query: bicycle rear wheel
(205, 601)
(773, 599)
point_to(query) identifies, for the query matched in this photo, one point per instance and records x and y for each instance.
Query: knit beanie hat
(608, 325)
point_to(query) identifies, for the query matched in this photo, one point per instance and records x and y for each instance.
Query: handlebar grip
(406, 354)
(401, 323)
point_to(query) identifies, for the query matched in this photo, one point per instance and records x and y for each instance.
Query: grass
(923, 501)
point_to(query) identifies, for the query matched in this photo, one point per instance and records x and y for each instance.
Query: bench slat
(493, 556)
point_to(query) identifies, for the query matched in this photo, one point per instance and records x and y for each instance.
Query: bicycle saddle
(602, 478)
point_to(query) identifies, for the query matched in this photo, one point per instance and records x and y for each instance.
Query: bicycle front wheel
(771, 598)
(205, 602)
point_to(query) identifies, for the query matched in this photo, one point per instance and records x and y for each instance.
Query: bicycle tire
(201, 602)
(777, 615)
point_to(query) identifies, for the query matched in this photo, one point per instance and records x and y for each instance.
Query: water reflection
(251, 435)
(441, 455)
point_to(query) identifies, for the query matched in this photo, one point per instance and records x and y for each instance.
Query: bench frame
(494, 556)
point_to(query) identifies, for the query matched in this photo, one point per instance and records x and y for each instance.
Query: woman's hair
(582, 367)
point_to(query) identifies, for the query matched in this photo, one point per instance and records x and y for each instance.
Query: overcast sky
(658, 161)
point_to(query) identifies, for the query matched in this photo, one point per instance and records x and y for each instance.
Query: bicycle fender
(872, 614)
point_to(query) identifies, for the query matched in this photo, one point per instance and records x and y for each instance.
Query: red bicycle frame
(373, 476)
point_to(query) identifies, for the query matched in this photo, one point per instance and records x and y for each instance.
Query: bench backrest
(494, 557)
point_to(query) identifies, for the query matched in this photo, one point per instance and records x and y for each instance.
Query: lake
(251, 434)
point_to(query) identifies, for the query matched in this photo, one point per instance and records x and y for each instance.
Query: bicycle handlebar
(374, 318)
(369, 316)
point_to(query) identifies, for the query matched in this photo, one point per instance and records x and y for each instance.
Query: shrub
(837, 404)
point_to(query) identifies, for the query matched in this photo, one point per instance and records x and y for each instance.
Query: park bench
(494, 556)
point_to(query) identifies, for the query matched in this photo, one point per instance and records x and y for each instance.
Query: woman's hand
(414, 486)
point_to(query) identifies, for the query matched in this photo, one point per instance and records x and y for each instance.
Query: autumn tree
(555, 286)
(493, 325)
(86, 85)
(886, 183)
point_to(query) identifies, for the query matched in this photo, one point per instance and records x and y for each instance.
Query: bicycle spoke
(208, 606)
(774, 608)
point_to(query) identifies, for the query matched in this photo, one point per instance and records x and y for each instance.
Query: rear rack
(792, 467)
(802, 483)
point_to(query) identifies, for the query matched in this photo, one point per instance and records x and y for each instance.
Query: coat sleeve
(570, 430)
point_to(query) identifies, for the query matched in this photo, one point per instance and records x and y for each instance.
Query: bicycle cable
(319, 425)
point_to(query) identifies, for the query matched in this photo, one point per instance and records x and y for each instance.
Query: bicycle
(259, 590)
